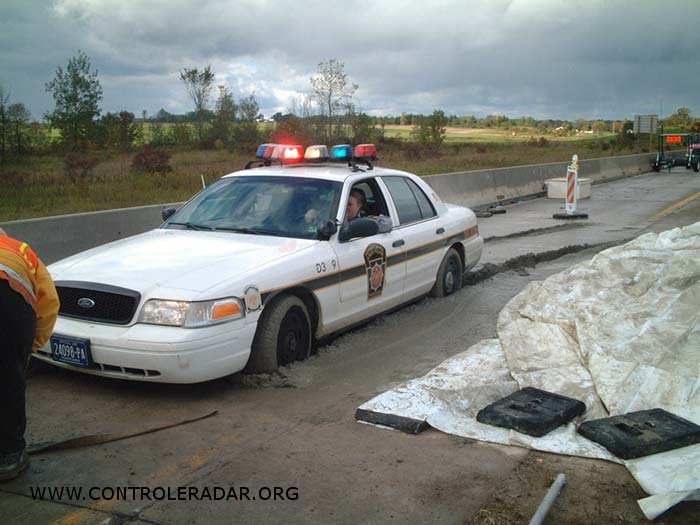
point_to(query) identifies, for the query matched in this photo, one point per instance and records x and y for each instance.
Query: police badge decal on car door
(375, 264)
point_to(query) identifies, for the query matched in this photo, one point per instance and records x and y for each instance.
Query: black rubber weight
(451, 263)
(641, 433)
(404, 424)
(284, 324)
(531, 411)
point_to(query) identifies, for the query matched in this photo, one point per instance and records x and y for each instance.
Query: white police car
(254, 268)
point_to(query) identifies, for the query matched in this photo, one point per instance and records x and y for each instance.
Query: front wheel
(449, 276)
(283, 336)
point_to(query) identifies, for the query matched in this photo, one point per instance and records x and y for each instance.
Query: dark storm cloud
(570, 59)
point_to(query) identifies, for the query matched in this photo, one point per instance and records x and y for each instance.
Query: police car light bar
(260, 153)
(279, 152)
(341, 153)
(365, 151)
(292, 154)
(316, 153)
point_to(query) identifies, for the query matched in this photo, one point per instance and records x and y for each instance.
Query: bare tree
(198, 85)
(299, 123)
(4, 122)
(19, 116)
(332, 91)
(248, 108)
(301, 106)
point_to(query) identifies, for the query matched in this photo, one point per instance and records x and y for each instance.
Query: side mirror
(360, 227)
(165, 213)
(326, 229)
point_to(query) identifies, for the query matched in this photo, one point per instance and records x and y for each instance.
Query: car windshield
(279, 206)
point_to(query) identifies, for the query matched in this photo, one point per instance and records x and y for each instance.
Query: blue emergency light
(260, 152)
(341, 153)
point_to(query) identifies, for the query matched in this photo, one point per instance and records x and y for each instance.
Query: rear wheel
(283, 336)
(696, 166)
(449, 276)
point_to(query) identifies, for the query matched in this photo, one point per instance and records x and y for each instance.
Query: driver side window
(374, 204)
(365, 200)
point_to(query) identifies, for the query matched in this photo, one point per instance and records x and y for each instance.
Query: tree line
(328, 113)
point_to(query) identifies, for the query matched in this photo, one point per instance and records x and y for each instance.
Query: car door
(372, 269)
(419, 227)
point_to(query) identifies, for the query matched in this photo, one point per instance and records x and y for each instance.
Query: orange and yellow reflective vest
(28, 276)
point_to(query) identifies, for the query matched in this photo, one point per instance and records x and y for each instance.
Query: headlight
(190, 315)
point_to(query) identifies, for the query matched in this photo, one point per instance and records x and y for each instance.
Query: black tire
(696, 167)
(283, 335)
(449, 276)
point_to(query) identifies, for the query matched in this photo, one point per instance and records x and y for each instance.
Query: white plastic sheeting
(620, 332)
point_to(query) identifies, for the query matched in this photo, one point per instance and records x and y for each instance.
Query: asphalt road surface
(293, 435)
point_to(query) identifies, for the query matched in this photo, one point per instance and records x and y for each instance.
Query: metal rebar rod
(548, 500)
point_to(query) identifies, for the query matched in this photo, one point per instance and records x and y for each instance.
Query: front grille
(111, 304)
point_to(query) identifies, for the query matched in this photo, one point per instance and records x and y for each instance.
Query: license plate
(71, 350)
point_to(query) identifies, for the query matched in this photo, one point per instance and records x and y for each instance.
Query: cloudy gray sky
(545, 58)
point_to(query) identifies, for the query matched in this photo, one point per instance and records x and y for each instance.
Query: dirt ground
(595, 492)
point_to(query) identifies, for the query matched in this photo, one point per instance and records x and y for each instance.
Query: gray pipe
(548, 500)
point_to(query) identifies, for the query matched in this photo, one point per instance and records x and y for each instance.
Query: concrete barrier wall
(54, 238)
(483, 187)
(57, 237)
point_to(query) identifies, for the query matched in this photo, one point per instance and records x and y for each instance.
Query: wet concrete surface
(296, 430)
(617, 211)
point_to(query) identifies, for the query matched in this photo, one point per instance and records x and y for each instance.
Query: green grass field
(496, 135)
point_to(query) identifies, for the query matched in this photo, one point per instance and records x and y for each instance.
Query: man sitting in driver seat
(355, 210)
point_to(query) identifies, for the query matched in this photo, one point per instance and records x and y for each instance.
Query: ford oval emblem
(86, 302)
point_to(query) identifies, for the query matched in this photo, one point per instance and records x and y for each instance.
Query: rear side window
(411, 203)
(426, 208)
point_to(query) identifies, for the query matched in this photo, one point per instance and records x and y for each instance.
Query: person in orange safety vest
(28, 309)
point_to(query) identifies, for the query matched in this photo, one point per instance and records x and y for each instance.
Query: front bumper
(164, 354)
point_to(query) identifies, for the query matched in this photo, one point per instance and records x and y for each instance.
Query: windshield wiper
(252, 231)
(191, 226)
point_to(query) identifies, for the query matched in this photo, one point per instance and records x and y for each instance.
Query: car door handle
(439, 231)
(398, 243)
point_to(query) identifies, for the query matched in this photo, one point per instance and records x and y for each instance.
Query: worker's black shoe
(12, 464)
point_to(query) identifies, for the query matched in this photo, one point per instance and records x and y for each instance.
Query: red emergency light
(292, 154)
(365, 151)
(674, 139)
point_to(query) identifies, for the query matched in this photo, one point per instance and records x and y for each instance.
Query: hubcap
(293, 337)
(291, 342)
(450, 277)
(449, 281)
